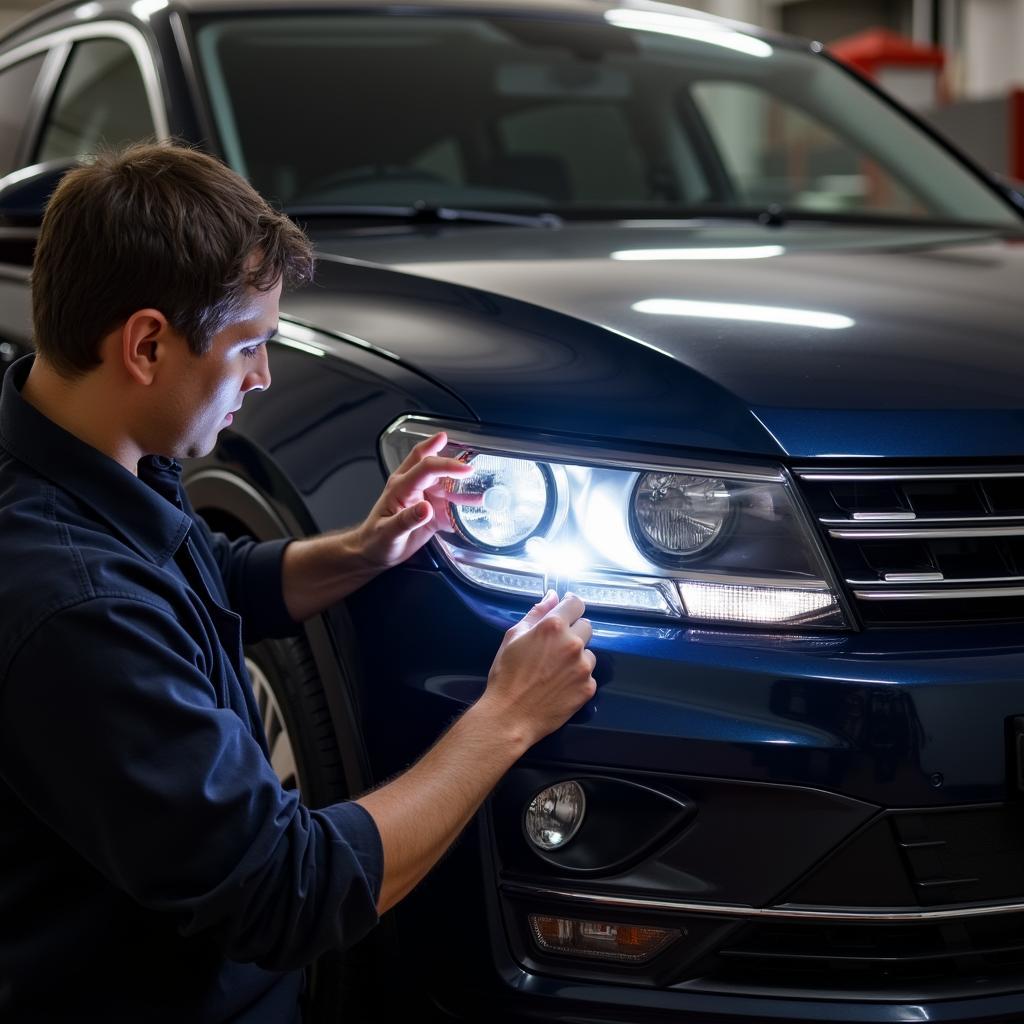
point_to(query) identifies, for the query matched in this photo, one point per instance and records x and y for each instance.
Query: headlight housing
(669, 538)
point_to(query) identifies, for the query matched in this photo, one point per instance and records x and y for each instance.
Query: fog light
(600, 940)
(554, 815)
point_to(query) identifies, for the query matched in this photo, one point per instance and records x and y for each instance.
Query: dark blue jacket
(151, 866)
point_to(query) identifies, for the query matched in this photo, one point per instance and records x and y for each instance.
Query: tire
(296, 720)
(304, 753)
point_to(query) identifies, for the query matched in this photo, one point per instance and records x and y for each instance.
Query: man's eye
(252, 351)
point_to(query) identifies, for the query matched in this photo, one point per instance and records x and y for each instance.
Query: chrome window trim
(39, 104)
(785, 912)
(104, 30)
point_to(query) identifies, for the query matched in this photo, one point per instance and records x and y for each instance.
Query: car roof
(592, 9)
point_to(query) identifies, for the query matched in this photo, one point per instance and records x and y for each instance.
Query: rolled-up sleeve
(171, 797)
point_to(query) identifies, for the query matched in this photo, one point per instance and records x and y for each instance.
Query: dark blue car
(735, 347)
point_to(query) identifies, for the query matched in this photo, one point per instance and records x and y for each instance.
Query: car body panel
(805, 760)
(909, 377)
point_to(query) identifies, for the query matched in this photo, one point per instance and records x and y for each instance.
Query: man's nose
(259, 377)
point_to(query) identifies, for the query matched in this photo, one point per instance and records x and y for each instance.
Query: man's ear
(144, 337)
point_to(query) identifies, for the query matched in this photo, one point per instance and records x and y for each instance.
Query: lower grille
(914, 961)
(916, 546)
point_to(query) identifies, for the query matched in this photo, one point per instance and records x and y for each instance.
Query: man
(151, 866)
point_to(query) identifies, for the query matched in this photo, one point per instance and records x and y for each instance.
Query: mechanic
(152, 868)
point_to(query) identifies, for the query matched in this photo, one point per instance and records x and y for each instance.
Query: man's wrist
(350, 557)
(500, 727)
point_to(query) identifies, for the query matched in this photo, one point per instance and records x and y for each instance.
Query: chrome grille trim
(913, 517)
(927, 533)
(871, 477)
(950, 594)
(784, 912)
(899, 534)
(954, 582)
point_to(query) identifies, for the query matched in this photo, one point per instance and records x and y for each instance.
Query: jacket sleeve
(111, 733)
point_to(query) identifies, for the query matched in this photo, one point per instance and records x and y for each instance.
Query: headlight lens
(655, 537)
(517, 499)
(680, 516)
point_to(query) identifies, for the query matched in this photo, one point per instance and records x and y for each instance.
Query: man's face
(203, 392)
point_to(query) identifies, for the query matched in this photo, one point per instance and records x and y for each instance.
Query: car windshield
(636, 112)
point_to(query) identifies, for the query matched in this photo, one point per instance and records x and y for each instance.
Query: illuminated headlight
(680, 516)
(554, 815)
(517, 500)
(663, 538)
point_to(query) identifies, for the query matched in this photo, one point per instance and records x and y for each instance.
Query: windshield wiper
(426, 213)
(777, 216)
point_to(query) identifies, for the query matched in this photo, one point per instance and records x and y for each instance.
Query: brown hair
(154, 226)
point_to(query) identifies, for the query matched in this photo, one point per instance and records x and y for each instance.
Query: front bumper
(861, 780)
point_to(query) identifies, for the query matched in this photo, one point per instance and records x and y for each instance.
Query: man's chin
(200, 450)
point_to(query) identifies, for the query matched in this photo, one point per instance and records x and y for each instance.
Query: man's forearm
(421, 813)
(318, 572)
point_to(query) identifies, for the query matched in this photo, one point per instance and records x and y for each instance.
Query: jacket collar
(145, 510)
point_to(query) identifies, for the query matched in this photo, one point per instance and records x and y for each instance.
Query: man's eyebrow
(263, 338)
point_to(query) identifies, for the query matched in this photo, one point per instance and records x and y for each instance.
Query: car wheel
(304, 754)
(297, 722)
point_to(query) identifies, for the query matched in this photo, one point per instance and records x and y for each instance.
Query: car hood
(807, 340)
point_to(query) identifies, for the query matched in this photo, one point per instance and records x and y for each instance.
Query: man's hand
(413, 505)
(543, 671)
(541, 675)
(320, 571)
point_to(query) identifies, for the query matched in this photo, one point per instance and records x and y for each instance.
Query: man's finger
(430, 446)
(569, 609)
(583, 629)
(539, 610)
(458, 498)
(429, 470)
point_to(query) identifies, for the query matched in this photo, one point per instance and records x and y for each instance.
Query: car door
(62, 97)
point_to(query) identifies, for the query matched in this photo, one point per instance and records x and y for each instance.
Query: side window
(775, 152)
(101, 100)
(16, 83)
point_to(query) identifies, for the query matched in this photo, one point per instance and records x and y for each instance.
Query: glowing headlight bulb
(497, 499)
(561, 563)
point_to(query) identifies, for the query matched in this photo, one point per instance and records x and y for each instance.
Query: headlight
(517, 501)
(670, 538)
(679, 516)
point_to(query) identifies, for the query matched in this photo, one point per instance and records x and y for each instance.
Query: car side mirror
(24, 193)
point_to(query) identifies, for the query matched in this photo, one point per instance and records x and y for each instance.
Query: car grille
(925, 546)
(974, 956)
